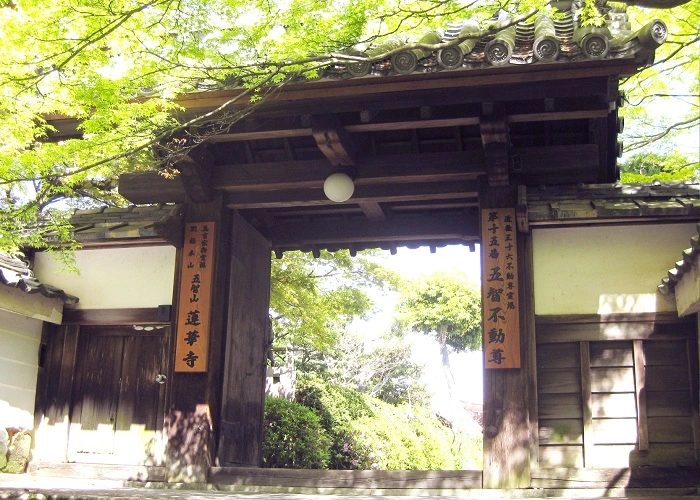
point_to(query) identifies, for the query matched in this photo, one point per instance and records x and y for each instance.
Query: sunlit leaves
(663, 101)
(313, 299)
(643, 168)
(446, 306)
(98, 60)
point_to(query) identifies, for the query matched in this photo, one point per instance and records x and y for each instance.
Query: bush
(402, 438)
(337, 408)
(293, 437)
(368, 433)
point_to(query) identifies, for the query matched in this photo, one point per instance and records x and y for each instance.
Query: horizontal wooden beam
(94, 317)
(351, 230)
(558, 116)
(477, 79)
(405, 168)
(558, 330)
(648, 317)
(260, 135)
(555, 160)
(151, 187)
(413, 124)
(385, 126)
(340, 482)
(363, 194)
(266, 181)
(608, 479)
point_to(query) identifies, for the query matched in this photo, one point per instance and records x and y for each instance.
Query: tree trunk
(445, 355)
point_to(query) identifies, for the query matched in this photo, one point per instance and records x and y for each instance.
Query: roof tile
(16, 273)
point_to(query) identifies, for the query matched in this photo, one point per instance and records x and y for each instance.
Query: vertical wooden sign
(194, 299)
(500, 305)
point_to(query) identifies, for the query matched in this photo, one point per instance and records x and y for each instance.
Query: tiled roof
(15, 272)
(543, 39)
(691, 257)
(120, 223)
(613, 201)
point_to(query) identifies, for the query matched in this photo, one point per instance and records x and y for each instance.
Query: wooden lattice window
(616, 394)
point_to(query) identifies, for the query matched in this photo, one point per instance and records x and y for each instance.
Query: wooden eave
(613, 204)
(127, 226)
(361, 89)
(416, 144)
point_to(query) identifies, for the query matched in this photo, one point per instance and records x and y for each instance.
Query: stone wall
(15, 448)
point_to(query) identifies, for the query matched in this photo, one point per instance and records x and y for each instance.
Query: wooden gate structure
(461, 156)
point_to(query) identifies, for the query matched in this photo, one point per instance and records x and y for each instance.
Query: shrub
(293, 437)
(368, 433)
(337, 408)
(402, 438)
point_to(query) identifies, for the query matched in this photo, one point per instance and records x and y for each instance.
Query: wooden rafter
(373, 210)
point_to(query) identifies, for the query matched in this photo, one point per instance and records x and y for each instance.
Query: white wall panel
(605, 269)
(112, 278)
(19, 356)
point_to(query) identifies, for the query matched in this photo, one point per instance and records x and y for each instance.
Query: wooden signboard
(500, 306)
(194, 302)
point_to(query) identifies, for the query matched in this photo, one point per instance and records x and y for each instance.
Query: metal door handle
(160, 378)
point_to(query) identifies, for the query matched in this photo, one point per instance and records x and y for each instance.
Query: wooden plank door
(117, 410)
(94, 409)
(139, 421)
(246, 343)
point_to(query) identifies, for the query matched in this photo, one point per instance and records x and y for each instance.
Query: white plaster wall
(19, 357)
(605, 269)
(112, 278)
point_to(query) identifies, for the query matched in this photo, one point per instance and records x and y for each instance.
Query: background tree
(377, 365)
(663, 102)
(643, 167)
(313, 299)
(447, 307)
(118, 66)
(444, 305)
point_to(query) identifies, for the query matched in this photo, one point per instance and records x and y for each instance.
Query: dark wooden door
(246, 343)
(118, 403)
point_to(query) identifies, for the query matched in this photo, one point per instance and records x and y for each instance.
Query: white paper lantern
(338, 187)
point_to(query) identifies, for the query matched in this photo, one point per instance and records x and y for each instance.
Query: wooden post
(586, 403)
(694, 374)
(506, 401)
(195, 398)
(640, 394)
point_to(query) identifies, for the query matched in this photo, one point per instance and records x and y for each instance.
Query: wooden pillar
(195, 398)
(506, 403)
